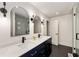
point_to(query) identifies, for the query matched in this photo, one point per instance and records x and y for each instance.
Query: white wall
(65, 29)
(5, 30)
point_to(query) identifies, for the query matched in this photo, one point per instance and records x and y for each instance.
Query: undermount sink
(25, 44)
(19, 44)
(33, 40)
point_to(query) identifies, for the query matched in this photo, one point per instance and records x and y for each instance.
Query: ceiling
(52, 9)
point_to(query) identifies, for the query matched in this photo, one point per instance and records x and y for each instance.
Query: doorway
(54, 31)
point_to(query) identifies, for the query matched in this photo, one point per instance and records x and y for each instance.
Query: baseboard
(61, 45)
(54, 44)
(64, 45)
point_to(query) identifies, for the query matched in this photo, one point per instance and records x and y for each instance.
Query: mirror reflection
(37, 24)
(19, 21)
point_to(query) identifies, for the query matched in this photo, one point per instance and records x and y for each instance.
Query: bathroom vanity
(42, 50)
(40, 47)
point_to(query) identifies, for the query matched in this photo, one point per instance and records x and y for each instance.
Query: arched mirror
(37, 24)
(19, 21)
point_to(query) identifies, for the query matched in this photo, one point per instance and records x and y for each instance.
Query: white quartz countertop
(17, 50)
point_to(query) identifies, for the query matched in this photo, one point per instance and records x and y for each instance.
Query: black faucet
(23, 39)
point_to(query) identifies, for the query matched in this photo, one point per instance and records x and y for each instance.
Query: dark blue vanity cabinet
(42, 50)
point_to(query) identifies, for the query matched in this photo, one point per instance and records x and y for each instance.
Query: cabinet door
(48, 47)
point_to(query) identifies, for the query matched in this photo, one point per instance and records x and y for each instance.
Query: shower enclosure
(76, 30)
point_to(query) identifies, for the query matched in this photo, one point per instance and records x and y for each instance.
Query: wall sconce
(32, 18)
(3, 10)
(42, 22)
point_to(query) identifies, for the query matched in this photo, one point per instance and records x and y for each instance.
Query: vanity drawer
(30, 54)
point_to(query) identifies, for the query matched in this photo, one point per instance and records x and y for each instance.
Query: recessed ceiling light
(57, 13)
(16, 6)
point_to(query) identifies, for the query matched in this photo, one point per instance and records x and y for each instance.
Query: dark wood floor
(60, 51)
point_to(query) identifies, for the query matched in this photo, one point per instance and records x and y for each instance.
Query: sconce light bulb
(4, 15)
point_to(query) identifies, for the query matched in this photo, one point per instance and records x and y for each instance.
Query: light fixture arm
(4, 3)
(3, 10)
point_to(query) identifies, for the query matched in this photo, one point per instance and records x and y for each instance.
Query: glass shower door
(77, 30)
